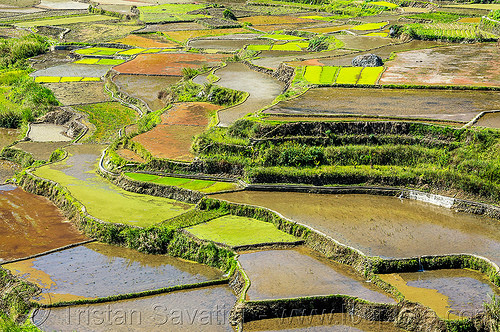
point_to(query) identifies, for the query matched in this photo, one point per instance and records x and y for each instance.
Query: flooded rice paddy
(490, 120)
(225, 44)
(450, 293)
(204, 309)
(431, 104)
(102, 199)
(471, 64)
(47, 132)
(301, 272)
(261, 87)
(99, 270)
(384, 226)
(326, 322)
(134, 85)
(31, 224)
(73, 70)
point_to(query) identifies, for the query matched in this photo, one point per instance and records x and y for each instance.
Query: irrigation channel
(136, 203)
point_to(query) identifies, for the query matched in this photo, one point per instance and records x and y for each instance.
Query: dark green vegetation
(189, 91)
(438, 17)
(333, 153)
(15, 300)
(15, 52)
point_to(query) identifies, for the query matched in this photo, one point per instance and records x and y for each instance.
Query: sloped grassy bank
(447, 160)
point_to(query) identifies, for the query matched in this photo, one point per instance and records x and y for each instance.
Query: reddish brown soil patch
(31, 224)
(130, 155)
(173, 137)
(167, 64)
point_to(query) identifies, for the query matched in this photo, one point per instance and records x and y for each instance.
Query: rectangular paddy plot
(134, 85)
(144, 42)
(384, 226)
(169, 13)
(167, 64)
(98, 270)
(452, 294)
(205, 309)
(183, 35)
(490, 120)
(205, 186)
(66, 20)
(469, 64)
(312, 322)
(329, 75)
(72, 70)
(73, 93)
(31, 224)
(102, 199)
(47, 132)
(39, 150)
(172, 138)
(302, 272)
(262, 89)
(429, 104)
(239, 231)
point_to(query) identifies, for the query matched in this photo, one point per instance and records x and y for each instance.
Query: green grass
(370, 75)
(66, 20)
(348, 75)
(317, 17)
(192, 184)
(439, 17)
(87, 61)
(169, 13)
(110, 203)
(313, 74)
(452, 32)
(237, 231)
(370, 26)
(108, 118)
(281, 37)
(384, 4)
(328, 75)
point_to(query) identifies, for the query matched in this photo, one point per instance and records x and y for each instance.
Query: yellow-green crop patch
(65, 20)
(57, 79)
(320, 74)
(275, 36)
(317, 17)
(205, 186)
(370, 75)
(349, 75)
(369, 26)
(237, 231)
(87, 61)
(384, 4)
(91, 79)
(292, 46)
(47, 79)
(169, 13)
(259, 47)
(132, 51)
(98, 51)
(96, 61)
(377, 34)
(70, 79)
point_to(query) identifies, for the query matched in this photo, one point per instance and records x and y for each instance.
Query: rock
(367, 60)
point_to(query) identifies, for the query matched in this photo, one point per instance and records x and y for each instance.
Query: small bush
(228, 14)
(319, 43)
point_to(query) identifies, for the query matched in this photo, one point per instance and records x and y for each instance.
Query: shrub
(14, 52)
(228, 14)
(318, 43)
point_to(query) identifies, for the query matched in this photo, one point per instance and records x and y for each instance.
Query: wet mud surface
(31, 224)
(145, 88)
(47, 132)
(490, 120)
(204, 309)
(474, 64)
(384, 226)
(40, 150)
(432, 104)
(172, 138)
(98, 270)
(73, 93)
(302, 272)
(451, 293)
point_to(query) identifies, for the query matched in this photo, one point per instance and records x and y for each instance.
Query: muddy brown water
(31, 224)
(384, 226)
(491, 120)
(324, 322)
(431, 104)
(261, 87)
(301, 272)
(98, 270)
(145, 87)
(40, 150)
(451, 293)
(204, 309)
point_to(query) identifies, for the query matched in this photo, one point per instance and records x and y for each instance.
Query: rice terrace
(250, 165)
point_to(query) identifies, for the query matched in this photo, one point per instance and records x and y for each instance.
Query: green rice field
(169, 13)
(328, 75)
(238, 231)
(65, 20)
